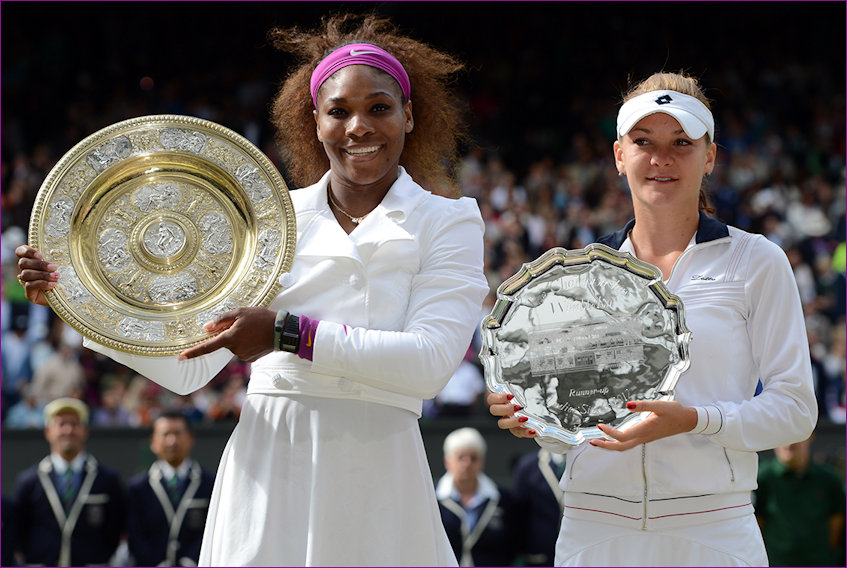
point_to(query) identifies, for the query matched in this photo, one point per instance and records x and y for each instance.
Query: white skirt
(306, 481)
(731, 542)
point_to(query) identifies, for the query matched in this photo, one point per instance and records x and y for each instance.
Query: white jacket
(743, 309)
(398, 299)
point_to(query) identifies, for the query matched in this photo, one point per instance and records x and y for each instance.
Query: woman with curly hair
(430, 151)
(326, 465)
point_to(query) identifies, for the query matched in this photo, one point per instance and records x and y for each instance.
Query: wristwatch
(286, 332)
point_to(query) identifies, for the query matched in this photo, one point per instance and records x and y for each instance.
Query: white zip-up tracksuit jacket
(743, 309)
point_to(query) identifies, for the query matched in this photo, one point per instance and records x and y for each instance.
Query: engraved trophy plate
(576, 334)
(158, 224)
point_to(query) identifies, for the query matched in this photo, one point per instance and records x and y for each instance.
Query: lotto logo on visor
(694, 117)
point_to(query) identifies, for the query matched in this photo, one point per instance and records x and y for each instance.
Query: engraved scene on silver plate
(576, 334)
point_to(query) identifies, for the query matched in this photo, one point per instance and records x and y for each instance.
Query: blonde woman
(674, 490)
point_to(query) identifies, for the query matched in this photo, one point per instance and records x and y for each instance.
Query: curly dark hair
(431, 151)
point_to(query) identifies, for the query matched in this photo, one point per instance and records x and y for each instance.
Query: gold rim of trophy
(158, 224)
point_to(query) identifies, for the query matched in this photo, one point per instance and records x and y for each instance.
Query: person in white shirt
(675, 489)
(327, 465)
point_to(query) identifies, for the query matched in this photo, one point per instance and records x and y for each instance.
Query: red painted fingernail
(630, 406)
(593, 444)
(510, 396)
(523, 419)
(532, 432)
(518, 408)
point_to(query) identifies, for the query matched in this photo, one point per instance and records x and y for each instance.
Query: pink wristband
(308, 331)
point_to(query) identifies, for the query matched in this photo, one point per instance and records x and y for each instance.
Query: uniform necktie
(172, 486)
(68, 488)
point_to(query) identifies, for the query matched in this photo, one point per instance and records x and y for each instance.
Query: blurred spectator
(775, 229)
(477, 514)
(99, 372)
(111, 413)
(14, 299)
(228, 406)
(133, 395)
(830, 287)
(61, 375)
(187, 406)
(805, 214)
(148, 405)
(16, 366)
(506, 195)
(27, 413)
(800, 508)
(168, 503)
(535, 487)
(48, 345)
(804, 276)
(462, 392)
(834, 368)
(70, 508)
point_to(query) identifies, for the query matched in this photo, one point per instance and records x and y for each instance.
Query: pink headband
(359, 54)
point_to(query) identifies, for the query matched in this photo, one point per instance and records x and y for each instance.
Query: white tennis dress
(326, 465)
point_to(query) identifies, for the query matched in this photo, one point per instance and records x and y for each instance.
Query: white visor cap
(695, 119)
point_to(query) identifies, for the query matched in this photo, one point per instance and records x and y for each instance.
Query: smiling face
(663, 165)
(362, 123)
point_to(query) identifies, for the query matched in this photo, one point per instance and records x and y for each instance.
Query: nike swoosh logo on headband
(354, 52)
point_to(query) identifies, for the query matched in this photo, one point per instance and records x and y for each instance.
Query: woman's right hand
(35, 274)
(499, 404)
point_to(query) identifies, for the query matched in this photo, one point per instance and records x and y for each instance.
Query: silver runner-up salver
(158, 224)
(576, 334)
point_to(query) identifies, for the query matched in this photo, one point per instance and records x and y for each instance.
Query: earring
(621, 174)
(707, 175)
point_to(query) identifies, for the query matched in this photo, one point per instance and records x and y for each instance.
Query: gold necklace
(355, 220)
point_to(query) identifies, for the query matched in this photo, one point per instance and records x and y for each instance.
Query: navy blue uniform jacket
(163, 534)
(492, 542)
(539, 499)
(90, 531)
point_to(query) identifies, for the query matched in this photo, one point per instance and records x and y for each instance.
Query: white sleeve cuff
(709, 420)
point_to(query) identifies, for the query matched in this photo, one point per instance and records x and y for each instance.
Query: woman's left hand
(247, 332)
(668, 418)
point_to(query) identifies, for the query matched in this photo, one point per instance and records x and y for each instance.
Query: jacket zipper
(573, 464)
(729, 463)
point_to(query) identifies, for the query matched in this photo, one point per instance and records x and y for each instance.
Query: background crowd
(539, 164)
(541, 92)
